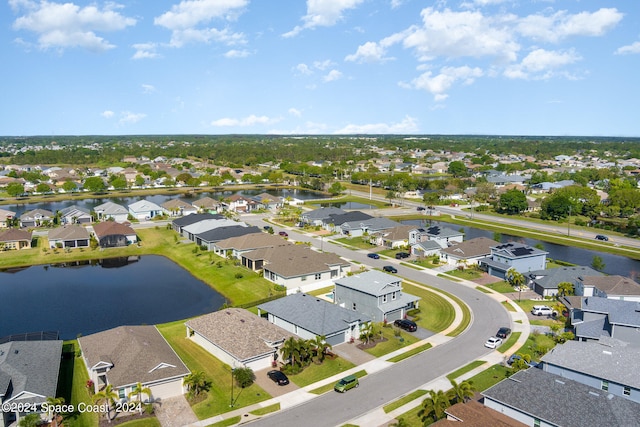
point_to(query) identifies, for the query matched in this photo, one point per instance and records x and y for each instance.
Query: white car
(541, 310)
(493, 342)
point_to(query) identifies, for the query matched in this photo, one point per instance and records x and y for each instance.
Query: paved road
(332, 409)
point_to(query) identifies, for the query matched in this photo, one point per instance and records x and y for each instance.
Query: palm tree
(196, 382)
(138, 391)
(401, 422)
(54, 402)
(515, 278)
(291, 350)
(434, 406)
(108, 395)
(319, 346)
(366, 332)
(462, 392)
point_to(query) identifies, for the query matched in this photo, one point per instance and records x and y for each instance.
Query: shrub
(239, 275)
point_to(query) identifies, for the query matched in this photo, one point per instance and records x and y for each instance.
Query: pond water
(614, 264)
(91, 296)
(159, 199)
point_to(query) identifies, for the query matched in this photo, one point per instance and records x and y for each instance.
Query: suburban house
(267, 201)
(69, 236)
(126, 355)
(6, 217)
(15, 239)
(111, 234)
(396, 237)
(375, 294)
(604, 365)
(444, 237)
(75, 215)
(367, 226)
(296, 266)
(538, 398)
(28, 374)
(238, 338)
(523, 258)
(191, 230)
(110, 210)
(234, 247)
(36, 218)
(468, 252)
(179, 223)
(594, 317)
(425, 249)
(545, 282)
(317, 216)
(307, 317)
(209, 238)
(613, 287)
(238, 203)
(206, 204)
(177, 207)
(476, 414)
(334, 222)
(144, 210)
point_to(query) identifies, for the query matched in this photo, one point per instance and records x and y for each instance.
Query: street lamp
(231, 403)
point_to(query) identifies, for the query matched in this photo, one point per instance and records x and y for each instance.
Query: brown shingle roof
(69, 232)
(295, 260)
(475, 414)
(613, 285)
(471, 248)
(109, 228)
(252, 241)
(176, 204)
(14, 235)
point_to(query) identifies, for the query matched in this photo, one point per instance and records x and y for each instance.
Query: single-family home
(476, 414)
(12, 238)
(6, 217)
(179, 223)
(28, 375)
(206, 204)
(425, 249)
(523, 258)
(538, 398)
(333, 222)
(192, 230)
(238, 337)
(307, 317)
(209, 238)
(441, 235)
(375, 294)
(75, 215)
(604, 365)
(267, 201)
(144, 210)
(69, 236)
(234, 247)
(613, 287)
(468, 252)
(36, 218)
(111, 234)
(367, 226)
(177, 207)
(239, 203)
(595, 317)
(545, 282)
(396, 237)
(110, 210)
(317, 216)
(127, 355)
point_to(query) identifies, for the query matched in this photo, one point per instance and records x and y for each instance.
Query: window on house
(393, 295)
(536, 422)
(384, 299)
(121, 394)
(626, 391)
(605, 385)
(318, 276)
(354, 306)
(334, 273)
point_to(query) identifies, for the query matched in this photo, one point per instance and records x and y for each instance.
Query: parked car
(493, 342)
(515, 357)
(406, 324)
(267, 228)
(402, 255)
(503, 333)
(419, 208)
(602, 237)
(283, 234)
(278, 377)
(541, 310)
(390, 269)
(347, 383)
(374, 256)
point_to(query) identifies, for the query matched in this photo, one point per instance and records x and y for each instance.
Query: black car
(405, 324)
(374, 256)
(390, 269)
(602, 237)
(278, 377)
(420, 208)
(503, 333)
(402, 255)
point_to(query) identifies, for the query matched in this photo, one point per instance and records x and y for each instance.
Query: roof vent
(560, 382)
(593, 393)
(15, 351)
(242, 320)
(606, 352)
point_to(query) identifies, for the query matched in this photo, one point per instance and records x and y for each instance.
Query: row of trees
(301, 353)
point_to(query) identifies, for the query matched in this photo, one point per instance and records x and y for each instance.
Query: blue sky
(539, 67)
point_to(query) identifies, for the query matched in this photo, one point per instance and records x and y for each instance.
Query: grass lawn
(470, 367)
(437, 315)
(314, 373)
(507, 305)
(323, 291)
(228, 422)
(410, 353)
(345, 198)
(356, 242)
(393, 343)
(403, 400)
(198, 359)
(427, 262)
(72, 387)
(467, 273)
(266, 409)
(490, 377)
(509, 342)
(145, 422)
(502, 287)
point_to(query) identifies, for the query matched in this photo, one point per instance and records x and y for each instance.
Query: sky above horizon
(502, 67)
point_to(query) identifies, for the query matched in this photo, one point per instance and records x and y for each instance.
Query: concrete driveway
(270, 387)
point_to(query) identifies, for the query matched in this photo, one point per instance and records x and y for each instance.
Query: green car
(347, 383)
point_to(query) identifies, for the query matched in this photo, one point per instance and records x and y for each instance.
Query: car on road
(278, 377)
(402, 255)
(602, 237)
(542, 310)
(268, 228)
(390, 269)
(347, 383)
(503, 333)
(283, 234)
(420, 208)
(493, 342)
(406, 324)
(374, 256)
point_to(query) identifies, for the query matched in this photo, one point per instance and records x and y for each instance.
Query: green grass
(467, 273)
(403, 400)
(436, 314)
(502, 287)
(266, 409)
(314, 373)
(509, 342)
(74, 376)
(145, 422)
(328, 387)
(198, 359)
(482, 289)
(508, 306)
(356, 242)
(449, 277)
(470, 367)
(427, 263)
(323, 291)
(228, 422)
(410, 353)
(392, 343)
(490, 377)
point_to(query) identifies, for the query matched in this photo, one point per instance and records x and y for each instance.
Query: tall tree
(196, 382)
(434, 406)
(461, 392)
(513, 202)
(138, 391)
(15, 189)
(515, 278)
(109, 396)
(95, 184)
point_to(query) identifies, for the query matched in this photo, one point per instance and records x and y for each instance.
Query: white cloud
(368, 52)
(332, 76)
(540, 64)
(247, 121)
(127, 117)
(632, 48)
(61, 26)
(396, 3)
(233, 53)
(408, 125)
(439, 84)
(323, 65)
(295, 112)
(323, 13)
(107, 114)
(145, 51)
(186, 18)
(303, 69)
(560, 25)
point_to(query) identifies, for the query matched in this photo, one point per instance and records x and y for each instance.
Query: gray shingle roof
(322, 213)
(222, 233)
(317, 316)
(110, 208)
(372, 282)
(613, 285)
(193, 218)
(69, 232)
(442, 232)
(340, 219)
(516, 250)
(620, 312)
(480, 246)
(371, 224)
(550, 277)
(252, 241)
(296, 260)
(210, 224)
(563, 402)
